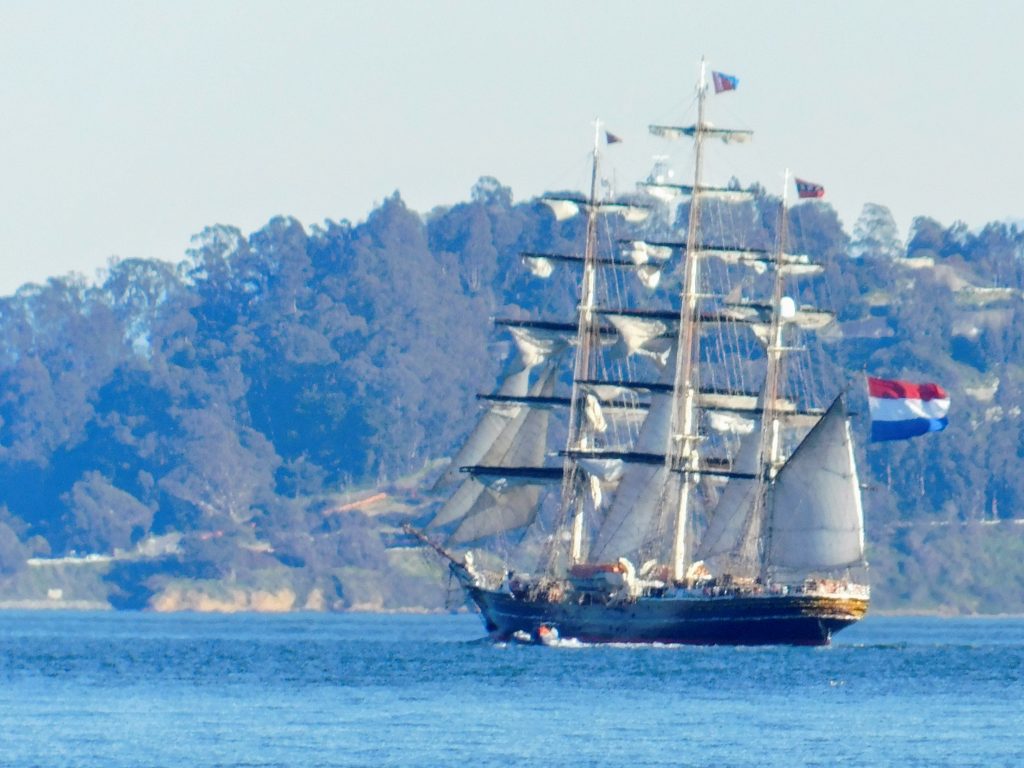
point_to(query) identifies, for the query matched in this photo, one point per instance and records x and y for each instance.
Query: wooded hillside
(216, 427)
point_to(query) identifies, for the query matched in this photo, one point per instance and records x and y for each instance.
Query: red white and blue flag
(611, 138)
(724, 82)
(900, 409)
(808, 189)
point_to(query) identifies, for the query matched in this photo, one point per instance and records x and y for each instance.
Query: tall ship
(656, 469)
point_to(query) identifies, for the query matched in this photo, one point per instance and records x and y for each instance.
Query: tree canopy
(230, 398)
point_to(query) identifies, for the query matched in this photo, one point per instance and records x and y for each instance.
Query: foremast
(581, 437)
(587, 341)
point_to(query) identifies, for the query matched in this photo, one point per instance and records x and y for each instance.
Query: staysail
(638, 501)
(487, 430)
(724, 540)
(508, 505)
(520, 442)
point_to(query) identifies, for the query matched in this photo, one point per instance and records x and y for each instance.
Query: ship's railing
(607, 584)
(752, 588)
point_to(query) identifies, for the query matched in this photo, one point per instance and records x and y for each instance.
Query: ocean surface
(130, 689)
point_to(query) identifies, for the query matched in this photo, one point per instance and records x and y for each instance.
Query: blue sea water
(129, 689)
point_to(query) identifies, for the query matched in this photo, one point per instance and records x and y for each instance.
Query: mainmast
(681, 452)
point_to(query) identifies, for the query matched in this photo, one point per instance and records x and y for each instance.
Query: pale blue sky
(127, 127)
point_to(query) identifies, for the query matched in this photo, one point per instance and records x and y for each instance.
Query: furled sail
(598, 408)
(816, 522)
(537, 340)
(726, 135)
(563, 208)
(536, 262)
(641, 335)
(794, 265)
(728, 422)
(631, 213)
(537, 344)
(542, 265)
(649, 276)
(642, 252)
(668, 192)
(566, 207)
(804, 317)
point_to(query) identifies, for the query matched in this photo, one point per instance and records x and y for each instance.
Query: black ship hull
(801, 619)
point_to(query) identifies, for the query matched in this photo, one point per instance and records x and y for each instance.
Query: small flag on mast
(808, 189)
(902, 409)
(611, 138)
(724, 82)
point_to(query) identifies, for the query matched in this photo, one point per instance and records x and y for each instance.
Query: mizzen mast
(770, 451)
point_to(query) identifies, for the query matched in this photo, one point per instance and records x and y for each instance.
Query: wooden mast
(587, 340)
(769, 453)
(681, 453)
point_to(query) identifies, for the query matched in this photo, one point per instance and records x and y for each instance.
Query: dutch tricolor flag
(900, 409)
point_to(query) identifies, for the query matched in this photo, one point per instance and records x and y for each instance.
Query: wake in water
(548, 637)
